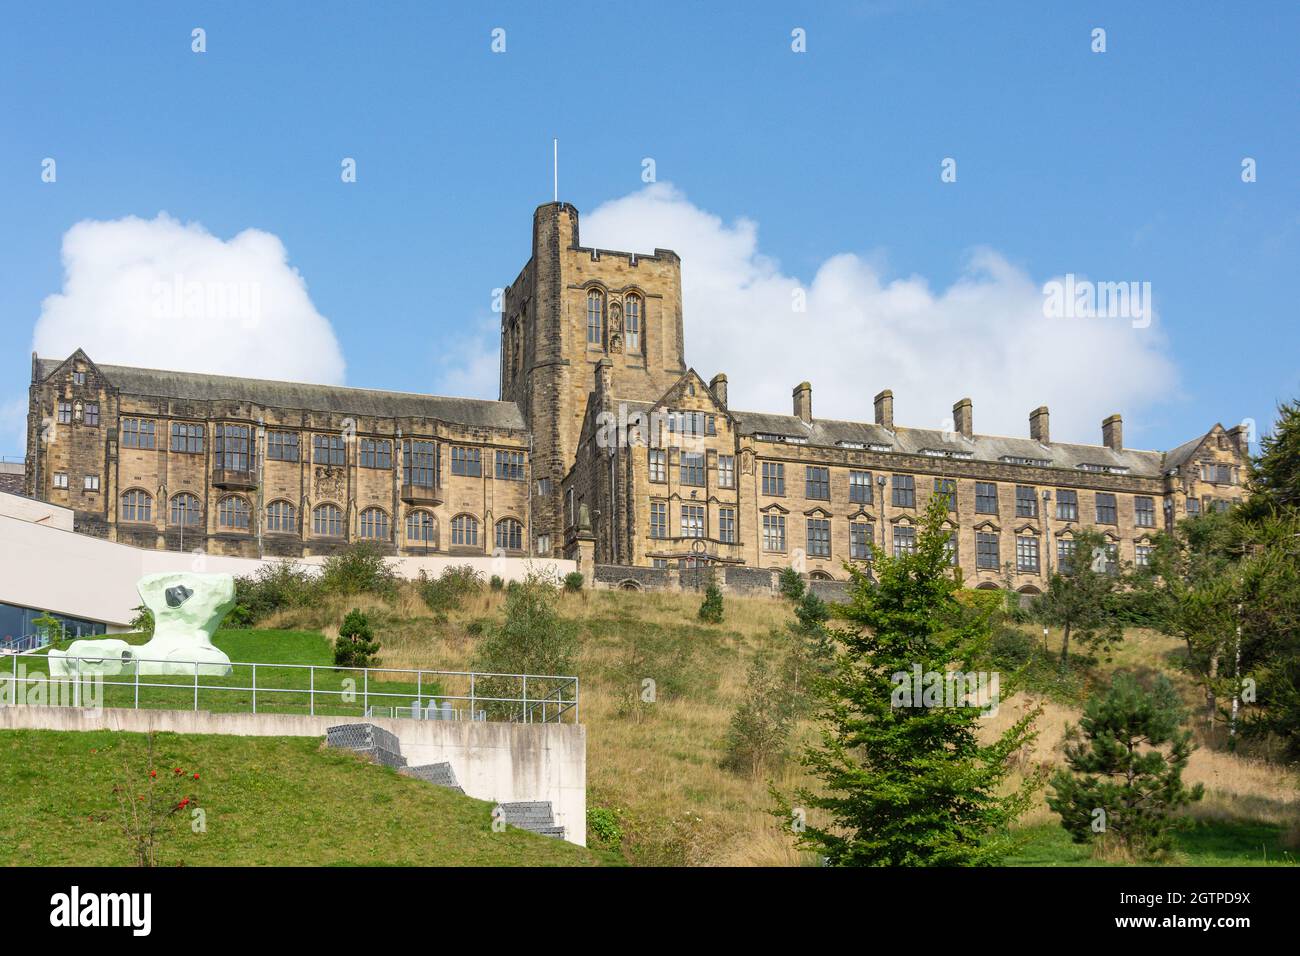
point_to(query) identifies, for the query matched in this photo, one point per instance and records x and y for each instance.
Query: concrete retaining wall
(501, 762)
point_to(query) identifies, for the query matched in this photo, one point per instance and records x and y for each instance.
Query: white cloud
(985, 336)
(164, 294)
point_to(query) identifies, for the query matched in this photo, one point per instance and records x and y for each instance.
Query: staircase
(383, 747)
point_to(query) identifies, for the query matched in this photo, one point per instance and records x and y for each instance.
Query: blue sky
(1123, 165)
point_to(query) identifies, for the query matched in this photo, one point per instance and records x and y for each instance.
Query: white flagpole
(555, 166)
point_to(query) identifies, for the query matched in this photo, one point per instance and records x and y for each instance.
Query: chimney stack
(718, 385)
(885, 409)
(962, 418)
(803, 402)
(1239, 435)
(1038, 425)
(1112, 433)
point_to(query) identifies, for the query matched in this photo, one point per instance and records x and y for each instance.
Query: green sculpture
(187, 608)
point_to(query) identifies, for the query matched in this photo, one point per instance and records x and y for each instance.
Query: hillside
(657, 767)
(284, 801)
(654, 769)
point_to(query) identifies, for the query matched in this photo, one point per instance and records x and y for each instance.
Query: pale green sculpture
(187, 608)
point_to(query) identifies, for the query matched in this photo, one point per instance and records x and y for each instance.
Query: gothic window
(464, 531)
(327, 521)
(374, 524)
(510, 535)
(632, 322)
(232, 513)
(595, 318)
(185, 510)
(419, 527)
(137, 506)
(281, 517)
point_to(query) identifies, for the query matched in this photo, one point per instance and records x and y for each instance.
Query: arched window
(281, 517)
(510, 535)
(595, 317)
(374, 524)
(464, 531)
(327, 521)
(185, 510)
(420, 528)
(232, 512)
(137, 505)
(632, 322)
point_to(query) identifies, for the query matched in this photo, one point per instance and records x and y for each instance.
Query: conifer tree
(1121, 785)
(907, 785)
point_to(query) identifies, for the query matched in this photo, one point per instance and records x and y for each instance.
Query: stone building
(604, 446)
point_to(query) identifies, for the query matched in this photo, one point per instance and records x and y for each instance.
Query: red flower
(196, 776)
(152, 774)
(178, 771)
(183, 804)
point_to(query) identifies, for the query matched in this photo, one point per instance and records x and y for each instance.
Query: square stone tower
(571, 307)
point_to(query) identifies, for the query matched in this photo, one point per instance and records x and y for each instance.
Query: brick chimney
(1239, 435)
(718, 385)
(885, 409)
(1038, 429)
(1112, 433)
(803, 402)
(962, 418)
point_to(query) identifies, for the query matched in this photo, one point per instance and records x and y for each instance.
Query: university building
(603, 446)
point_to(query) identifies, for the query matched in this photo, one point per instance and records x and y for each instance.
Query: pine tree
(1274, 482)
(904, 785)
(356, 645)
(1079, 596)
(1120, 784)
(711, 608)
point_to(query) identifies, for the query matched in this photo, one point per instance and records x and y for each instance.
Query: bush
(238, 618)
(356, 645)
(141, 623)
(791, 584)
(711, 608)
(275, 587)
(359, 569)
(573, 582)
(532, 639)
(603, 830)
(497, 583)
(760, 727)
(445, 593)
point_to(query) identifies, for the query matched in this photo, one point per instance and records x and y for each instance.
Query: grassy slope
(268, 800)
(658, 767)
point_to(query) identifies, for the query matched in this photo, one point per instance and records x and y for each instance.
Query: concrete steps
(377, 744)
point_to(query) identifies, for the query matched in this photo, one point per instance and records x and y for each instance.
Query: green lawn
(268, 801)
(1206, 843)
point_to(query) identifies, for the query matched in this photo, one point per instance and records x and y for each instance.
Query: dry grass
(658, 765)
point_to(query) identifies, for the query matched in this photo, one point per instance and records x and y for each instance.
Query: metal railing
(316, 689)
(28, 642)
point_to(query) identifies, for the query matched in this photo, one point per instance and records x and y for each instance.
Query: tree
(1120, 784)
(791, 584)
(1079, 593)
(531, 639)
(356, 645)
(760, 727)
(711, 607)
(1274, 481)
(908, 785)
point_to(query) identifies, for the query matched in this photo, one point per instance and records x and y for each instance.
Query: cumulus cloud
(984, 336)
(164, 294)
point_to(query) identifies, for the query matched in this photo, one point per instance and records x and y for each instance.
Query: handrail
(558, 697)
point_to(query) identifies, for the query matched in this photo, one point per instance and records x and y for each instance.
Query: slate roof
(916, 441)
(319, 398)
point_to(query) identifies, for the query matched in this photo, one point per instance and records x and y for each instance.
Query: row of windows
(903, 488)
(691, 468)
(87, 414)
(233, 512)
(232, 445)
(692, 522)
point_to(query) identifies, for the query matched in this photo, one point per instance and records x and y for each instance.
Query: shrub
(359, 569)
(356, 645)
(791, 584)
(238, 617)
(573, 582)
(445, 592)
(711, 608)
(497, 583)
(275, 587)
(760, 727)
(532, 639)
(141, 623)
(603, 830)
